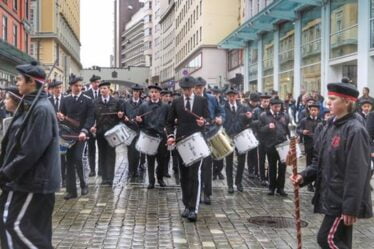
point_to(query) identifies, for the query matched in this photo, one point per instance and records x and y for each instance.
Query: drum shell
(130, 134)
(283, 149)
(220, 144)
(193, 149)
(147, 144)
(245, 141)
(115, 136)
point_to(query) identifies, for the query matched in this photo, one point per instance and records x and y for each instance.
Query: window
(286, 59)
(268, 62)
(15, 4)
(27, 43)
(372, 23)
(235, 58)
(15, 35)
(201, 9)
(5, 28)
(201, 33)
(27, 9)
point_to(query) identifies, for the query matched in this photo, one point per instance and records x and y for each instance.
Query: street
(130, 216)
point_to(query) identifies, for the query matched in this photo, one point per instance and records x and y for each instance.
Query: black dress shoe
(185, 213)
(264, 183)
(271, 192)
(240, 188)
(310, 188)
(69, 196)
(192, 216)
(162, 183)
(252, 176)
(214, 177)
(84, 191)
(151, 186)
(207, 199)
(220, 176)
(231, 190)
(92, 174)
(282, 193)
(167, 175)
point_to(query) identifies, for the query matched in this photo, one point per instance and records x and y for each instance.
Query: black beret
(54, 83)
(165, 91)
(200, 81)
(254, 97)
(276, 101)
(314, 105)
(137, 87)
(366, 101)
(74, 79)
(104, 83)
(216, 89)
(95, 78)
(265, 96)
(345, 90)
(155, 86)
(187, 82)
(13, 91)
(32, 70)
(310, 99)
(232, 91)
(176, 94)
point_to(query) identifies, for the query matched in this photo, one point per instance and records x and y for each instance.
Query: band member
(166, 99)
(30, 166)
(56, 98)
(76, 107)
(365, 108)
(274, 124)
(93, 93)
(174, 152)
(341, 170)
(130, 109)
(107, 115)
(12, 99)
(264, 107)
(216, 115)
(252, 155)
(152, 117)
(306, 128)
(188, 124)
(237, 119)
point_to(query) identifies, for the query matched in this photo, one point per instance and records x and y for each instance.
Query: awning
(13, 54)
(265, 21)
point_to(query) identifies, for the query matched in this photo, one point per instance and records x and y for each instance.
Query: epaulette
(88, 97)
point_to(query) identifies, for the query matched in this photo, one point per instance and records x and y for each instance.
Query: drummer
(107, 114)
(187, 124)
(166, 99)
(153, 124)
(216, 115)
(274, 127)
(237, 119)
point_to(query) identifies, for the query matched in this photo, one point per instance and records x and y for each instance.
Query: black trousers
(26, 220)
(174, 154)
(160, 157)
(277, 170)
(261, 162)
(206, 175)
(252, 161)
(63, 168)
(190, 179)
(239, 169)
(107, 159)
(309, 154)
(92, 154)
(133, 156)
(334, 234)
(74, 162)
(217, 166)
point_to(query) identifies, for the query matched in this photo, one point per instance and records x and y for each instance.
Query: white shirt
(95, 93)
(105, 98)
(234, 105)
(59, 100)
(135, 101)
(192, 97)
(78, 95)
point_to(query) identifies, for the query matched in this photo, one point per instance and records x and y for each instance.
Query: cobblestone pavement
(130, 216)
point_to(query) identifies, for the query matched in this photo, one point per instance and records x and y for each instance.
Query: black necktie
(95, 94)
(56, 104)
(233, 108)
(188, 104)
(75, 97)
(105, 101)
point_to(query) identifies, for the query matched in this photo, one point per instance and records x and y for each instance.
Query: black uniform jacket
(90, 93)
(309, 124)
(255, 119)
(235, 122)
(52, 100)
(106, 122)
(154, 122)
(81, 110)
(33, 164)
(271, 137)
(341, 169)
(186, 122)
(130, 109)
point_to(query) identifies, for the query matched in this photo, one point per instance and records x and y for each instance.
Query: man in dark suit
(187, 124)
(93, 93)
(56, 99)
(77, 112)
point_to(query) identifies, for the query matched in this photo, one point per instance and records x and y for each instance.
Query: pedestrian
(341, 170)
(29, 166)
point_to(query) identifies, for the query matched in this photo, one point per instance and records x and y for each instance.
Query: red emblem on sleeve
(335, 142)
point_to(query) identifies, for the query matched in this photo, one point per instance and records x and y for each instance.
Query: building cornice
(167, 12)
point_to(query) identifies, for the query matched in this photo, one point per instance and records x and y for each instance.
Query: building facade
(156, 41)
(200, 26)
(56, 36)
(167, 22)
(291, 46)
(132, 42)
(15, 38)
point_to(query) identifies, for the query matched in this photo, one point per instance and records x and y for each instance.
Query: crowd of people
(55, 136)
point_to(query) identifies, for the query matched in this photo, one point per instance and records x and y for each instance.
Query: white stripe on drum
(5, 218)
(18, 221)
(199, 187)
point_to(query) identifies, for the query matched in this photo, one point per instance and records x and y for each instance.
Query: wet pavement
(130, 216)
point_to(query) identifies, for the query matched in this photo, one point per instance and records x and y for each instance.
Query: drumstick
(72, 121)
(192, 113)
(108, 113)
(72, 136)
(144, 114)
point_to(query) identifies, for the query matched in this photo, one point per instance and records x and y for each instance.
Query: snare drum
(147, 144)
(116, 135)
(65, 141)
(220, 144)
(193, 149)
(283, 149)
(129, 133)
(245, 141)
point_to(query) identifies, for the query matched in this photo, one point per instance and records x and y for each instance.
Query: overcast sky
(97, 28)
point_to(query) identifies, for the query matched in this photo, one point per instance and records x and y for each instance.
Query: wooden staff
(192, 113)
(292, 161)
(108, 113)
(72, 121)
